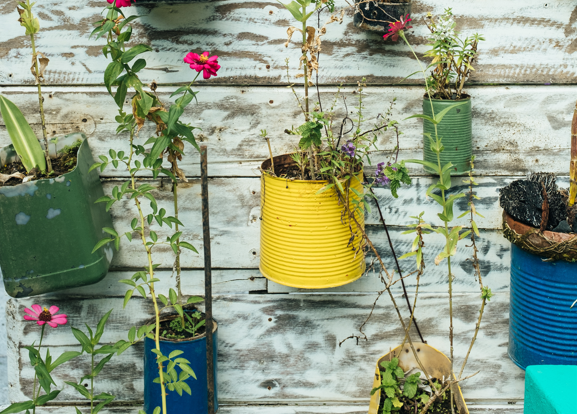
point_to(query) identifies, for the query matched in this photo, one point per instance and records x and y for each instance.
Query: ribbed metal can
(306, 239)
(542, 325)
(455, 130)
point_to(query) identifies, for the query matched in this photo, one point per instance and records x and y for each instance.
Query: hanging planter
(50, 226)
(455, 130)
(542, 325)
(194, 350)
(376, 15)
(305, 239)
(436, 363)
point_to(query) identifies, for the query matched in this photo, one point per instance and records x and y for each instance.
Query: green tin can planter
(49, 227)
(456, 132)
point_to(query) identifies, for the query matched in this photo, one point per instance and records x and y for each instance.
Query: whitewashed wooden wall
(279, 348)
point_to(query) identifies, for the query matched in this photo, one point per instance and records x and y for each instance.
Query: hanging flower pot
(435, 362)
(376, 15)
(306, 239)
(455, 130)
(49, 228)
(194, 350)
(542, 325)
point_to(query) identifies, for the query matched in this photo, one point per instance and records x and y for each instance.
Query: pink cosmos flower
(396, 27)
(122, 3)
(42, 316)
(209, 65)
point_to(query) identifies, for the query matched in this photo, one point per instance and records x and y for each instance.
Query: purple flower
(380, 176)
(349, 149)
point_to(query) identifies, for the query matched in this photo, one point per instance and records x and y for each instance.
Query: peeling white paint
(53, 212)
(109, 253)
(19, 190)
(22, 218)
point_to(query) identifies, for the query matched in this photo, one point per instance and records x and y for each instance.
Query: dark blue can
(542, 325)
(195, 351)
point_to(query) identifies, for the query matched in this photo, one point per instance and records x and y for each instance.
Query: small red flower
(396, 27)
(42, 316)
(122, 3)
(208, 65)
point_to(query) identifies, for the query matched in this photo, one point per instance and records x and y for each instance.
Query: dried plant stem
(573, 165)
(40, 102)
(271, 157)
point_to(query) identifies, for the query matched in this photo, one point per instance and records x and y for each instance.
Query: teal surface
(551, 389)
(456, 132)
(49, 227)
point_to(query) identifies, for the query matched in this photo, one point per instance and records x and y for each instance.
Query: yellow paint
(435, 362)
(305, 236)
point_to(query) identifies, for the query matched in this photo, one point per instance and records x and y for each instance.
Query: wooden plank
(290, 409)
(285, 347)
(527, 41)
(512, 133)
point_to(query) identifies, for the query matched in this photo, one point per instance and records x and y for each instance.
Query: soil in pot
(538, 202)
(62, 164)
(194, 326)
(285, 166)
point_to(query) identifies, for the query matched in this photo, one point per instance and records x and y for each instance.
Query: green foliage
(310, 133)
(89, 345)
(175, 380)
(396, 385)
(192, 324)
(23, 138)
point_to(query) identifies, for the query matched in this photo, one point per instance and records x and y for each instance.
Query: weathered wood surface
(296, 409)
(285, 348)
(515, 129)
(528, 41)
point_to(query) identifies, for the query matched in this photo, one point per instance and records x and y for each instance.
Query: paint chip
(22, 218)
(53, 212)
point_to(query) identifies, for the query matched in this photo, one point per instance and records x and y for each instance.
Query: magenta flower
(208, 65)
(349, 149)
(122, 3)
(42, 316)
(396, 27)
(380, 176)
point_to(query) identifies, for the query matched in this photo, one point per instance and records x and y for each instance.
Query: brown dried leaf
(39, 77)
(6, 177)
(311, 34)
(290, 32)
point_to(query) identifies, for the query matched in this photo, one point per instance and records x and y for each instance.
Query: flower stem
(92, 384)
(34, 396)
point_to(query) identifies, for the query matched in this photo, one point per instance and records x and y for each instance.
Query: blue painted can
(542, 326)
(195, 351)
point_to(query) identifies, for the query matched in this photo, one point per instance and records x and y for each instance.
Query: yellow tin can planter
(306, 239)
(436, 363)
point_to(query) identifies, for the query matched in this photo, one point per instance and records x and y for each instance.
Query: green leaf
(179, 310)
(295, 10)
(431, 165)
(83, 339)
(17, 407)
(175, 353)
(194, 299)
(23, 138)
(160, 145)
(188, 370)
(139, 65)
(439, 117)
(427, 117)
(48, 397)
(101, 364)
(133, 52)
(187, 245)
(121, 93)
(173, 297)
(65, 357)
(100, 327)
(83, 391)
(127, 297)
(101, 243)
(111, 73)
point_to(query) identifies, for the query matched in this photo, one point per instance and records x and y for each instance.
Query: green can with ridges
(456, 132)
(49, 227)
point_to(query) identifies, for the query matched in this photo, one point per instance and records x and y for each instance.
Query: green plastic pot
(49, 227)
(456, 132)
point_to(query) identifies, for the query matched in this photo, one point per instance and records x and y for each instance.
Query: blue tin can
(542, 325)
(195, 351)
